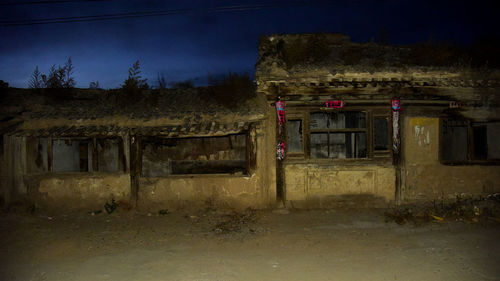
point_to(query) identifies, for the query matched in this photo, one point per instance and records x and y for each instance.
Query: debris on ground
(236, 222)
(110, 207)
(477, 210)
(163, 212)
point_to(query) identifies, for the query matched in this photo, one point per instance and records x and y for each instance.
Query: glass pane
(319, 145)
(348, 145)
(454, 144)
(355, 119)
(337, 145)
(71, 155)
(381, 134)
(294, 133)
(108, 155)
(319, 120)
(337, 120)
(494, 140)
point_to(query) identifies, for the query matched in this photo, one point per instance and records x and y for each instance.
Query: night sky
(202, 39)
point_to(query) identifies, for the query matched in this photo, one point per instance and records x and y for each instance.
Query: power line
(47, 2)
(117, 16)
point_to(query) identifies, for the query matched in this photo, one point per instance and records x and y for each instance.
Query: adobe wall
(425, 178)
(78, 191)
(13, 169)
(329, 185)
(256, 190)
(195, 191)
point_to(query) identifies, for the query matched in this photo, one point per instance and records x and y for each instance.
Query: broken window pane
(381, 134)
(294, 133)
(319, 120)
(71, 155)
(108, 151)
(319, 145)
(204, 155)
(455, 140)
(337, 120)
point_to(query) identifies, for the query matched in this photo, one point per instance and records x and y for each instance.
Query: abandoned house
(168, 150)
(363, 122)
(331, 122)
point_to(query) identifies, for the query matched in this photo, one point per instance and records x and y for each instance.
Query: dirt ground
(255, 245)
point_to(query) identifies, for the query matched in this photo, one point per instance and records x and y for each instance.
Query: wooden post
(95, 155)
(135, 168)
(50, 163)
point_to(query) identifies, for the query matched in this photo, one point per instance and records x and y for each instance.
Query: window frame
(250, 157)
(296, 117)
(92, 149)
(470, 157)
(371, 112)
(330, 131)
(388, 118)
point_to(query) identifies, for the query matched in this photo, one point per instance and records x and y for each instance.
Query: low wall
(76, 191)
(322, 183)
(187, 191)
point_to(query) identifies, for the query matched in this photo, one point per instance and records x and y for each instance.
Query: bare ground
(255, 245)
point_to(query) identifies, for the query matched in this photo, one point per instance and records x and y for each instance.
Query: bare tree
(36, 81)
(68, 80)
(58, 78)
(134, 80)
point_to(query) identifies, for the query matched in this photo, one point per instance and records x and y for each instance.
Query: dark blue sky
(199, 43)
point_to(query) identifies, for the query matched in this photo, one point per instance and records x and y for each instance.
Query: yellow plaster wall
(257, 190)
(186, 191)
(424, 177)
(78, 191)
(310, 181)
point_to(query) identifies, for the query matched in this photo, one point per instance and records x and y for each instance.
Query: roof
(332, 57)
(186, 112)
(185, 130)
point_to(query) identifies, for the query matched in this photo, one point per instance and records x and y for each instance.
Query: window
(348, 133)
(71, 155)
(75, 155)
(200, 155)
(381, 134)
(463, 141)
(294, 136)
(109, 155)
(338, 134)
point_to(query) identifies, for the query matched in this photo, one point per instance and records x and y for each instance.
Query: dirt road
(301, 245)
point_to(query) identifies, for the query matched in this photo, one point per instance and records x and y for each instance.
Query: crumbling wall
(72, 191)
(14, 168)
(257, 189)
(424, 177)
(182, 191)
